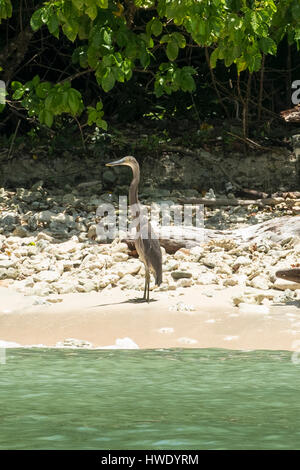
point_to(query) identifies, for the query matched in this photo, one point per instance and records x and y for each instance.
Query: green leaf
(118, 74)
(107, 36)
(102, 3)
(156, 27)
(101, 123)
(92, 115)
(172, 50)
(180, 39)
(122, 38)
(241, 64)
(131, 50)
(36, 80)
(45, 14)
(214, 57)
(144, 58)
(296, 11)
(297, 34)
(254, 62)
(73, 101)
(108, 60)
(78, 4)
(36, 20)
(49, 102)
(15, 85)
(5, 9)
(92, 56)
(108, 80)
(92, 11)
(165, 38)
(70, 32)
(188, 83)
(46, 117)
(19, 90)
(53, 25)
(267, 45)
(254, 21)
(228, 57)
(42, 89)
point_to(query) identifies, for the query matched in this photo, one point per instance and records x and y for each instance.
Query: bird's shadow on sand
(129, 301)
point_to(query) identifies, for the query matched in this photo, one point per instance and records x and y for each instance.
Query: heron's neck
(133, 190)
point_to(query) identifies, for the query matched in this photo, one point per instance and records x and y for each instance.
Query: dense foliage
(65, 56)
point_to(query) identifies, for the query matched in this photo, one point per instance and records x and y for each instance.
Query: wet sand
(103, 318)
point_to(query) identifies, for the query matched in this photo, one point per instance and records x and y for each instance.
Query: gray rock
(9, 273)
(92, 232)
(88, 285)
(46, 276)
(65, 286)
(9, 220)
(20, 231)
(120, 247)
(44, 236)
(8, 263)
(46, 216)
(185, 282)
(181, 275)
(260, 282)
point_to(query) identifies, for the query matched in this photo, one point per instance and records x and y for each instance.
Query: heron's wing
(151, 253)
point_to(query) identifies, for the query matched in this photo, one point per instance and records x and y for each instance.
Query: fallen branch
(277, 230)
(233, 202)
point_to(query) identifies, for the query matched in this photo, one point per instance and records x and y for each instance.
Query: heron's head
(128, 161)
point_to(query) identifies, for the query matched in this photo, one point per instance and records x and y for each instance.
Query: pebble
(74, 343)
(181, 307)
(166, 330)
(187, 341)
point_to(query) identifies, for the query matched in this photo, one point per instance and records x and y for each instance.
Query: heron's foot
(138, 300)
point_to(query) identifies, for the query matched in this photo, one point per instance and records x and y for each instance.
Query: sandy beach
(196, 317)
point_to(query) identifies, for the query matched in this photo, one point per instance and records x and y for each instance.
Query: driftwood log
(289, 274)
(274, 230)
(291, 115)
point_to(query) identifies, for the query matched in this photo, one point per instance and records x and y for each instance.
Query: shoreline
(194, 317)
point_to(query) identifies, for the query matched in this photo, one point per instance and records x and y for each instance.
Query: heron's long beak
(117, 162)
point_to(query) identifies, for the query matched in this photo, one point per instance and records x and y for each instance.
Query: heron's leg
(145, 288)
(148, 287)
(147, 284)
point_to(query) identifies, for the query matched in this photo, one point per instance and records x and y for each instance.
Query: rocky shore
(48, 248)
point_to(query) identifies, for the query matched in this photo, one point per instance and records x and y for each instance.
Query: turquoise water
(169, 399)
